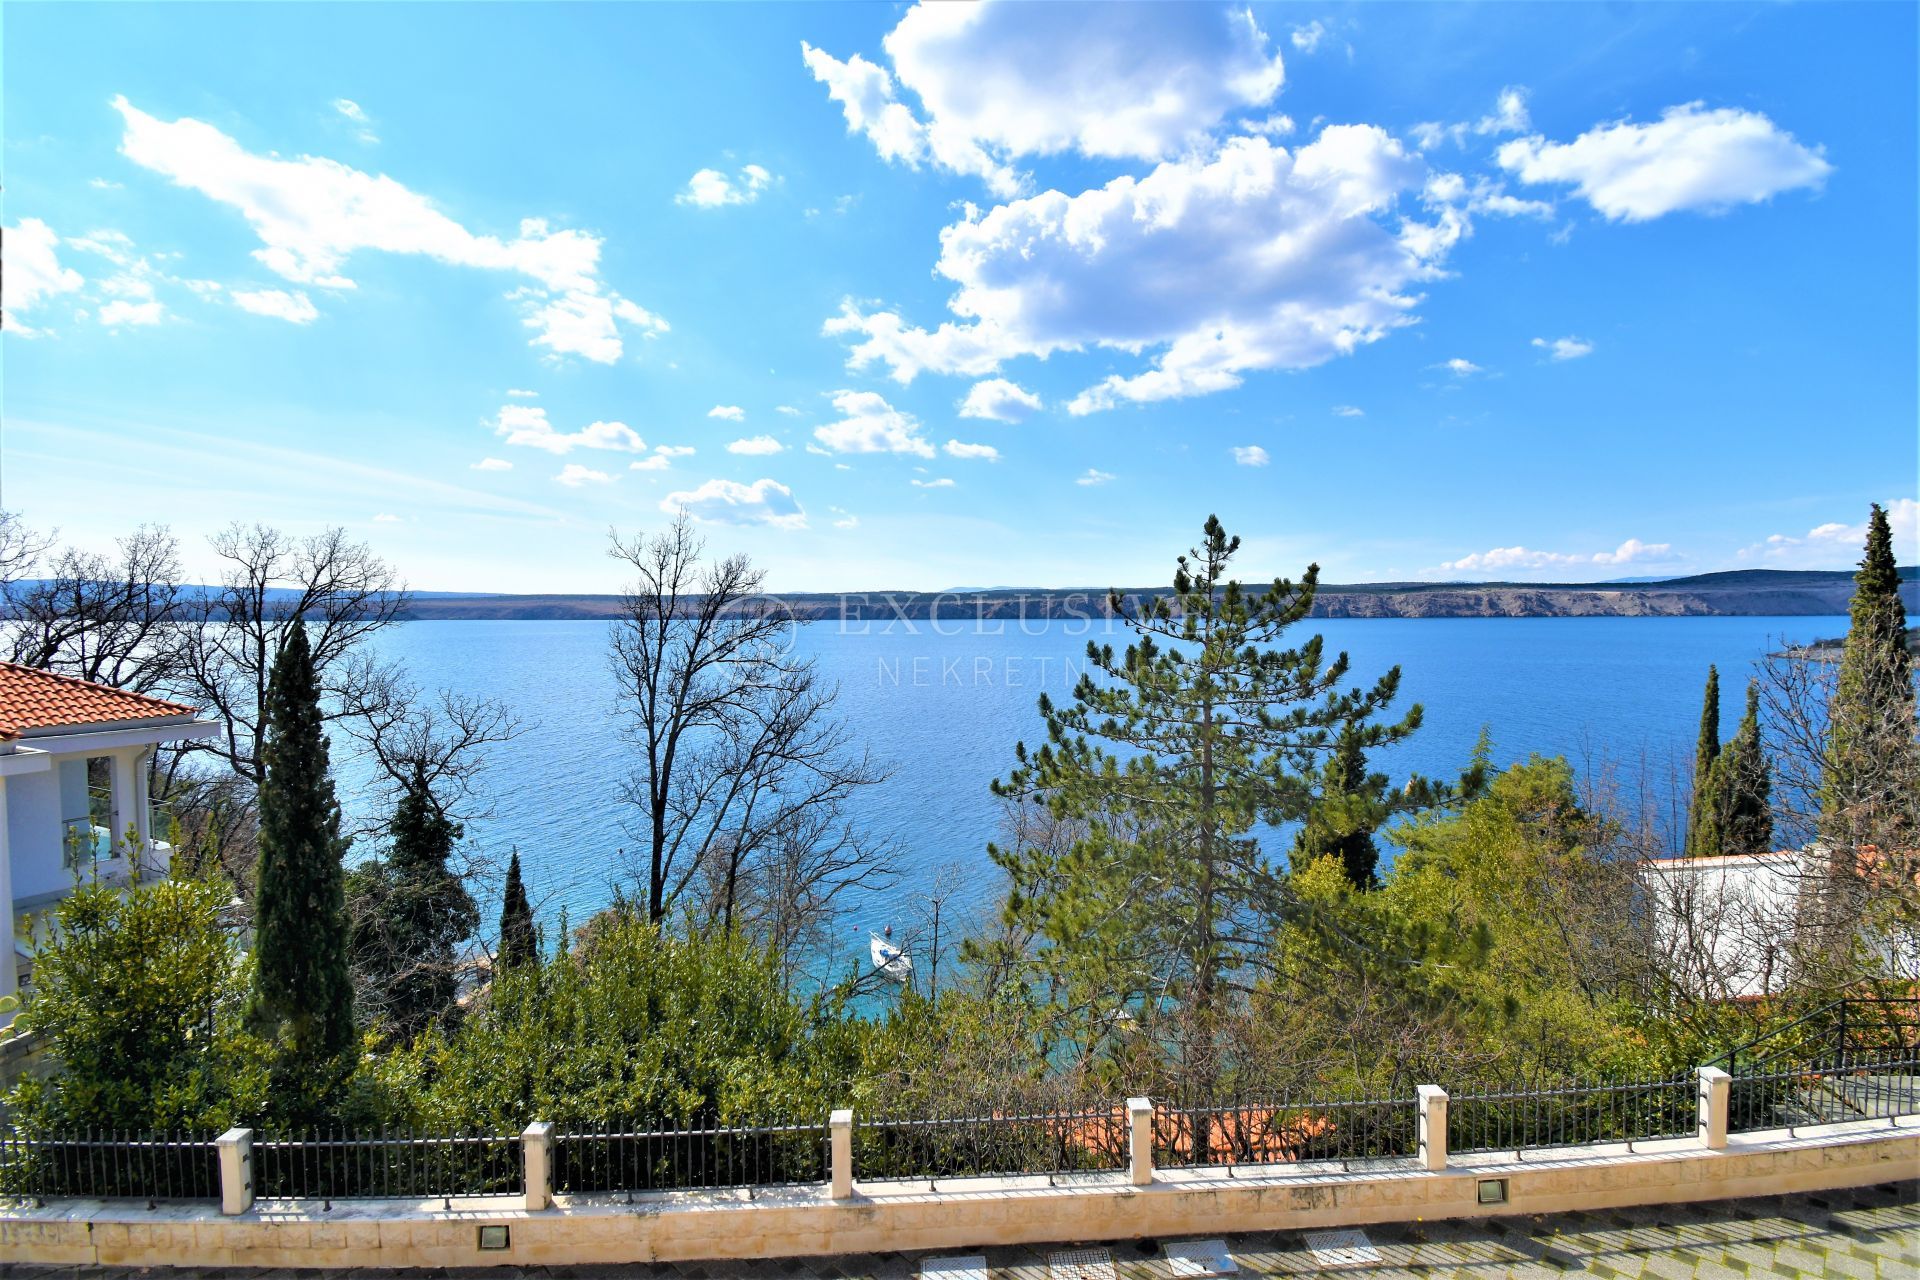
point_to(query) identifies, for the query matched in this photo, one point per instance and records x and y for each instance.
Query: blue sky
(897, 298)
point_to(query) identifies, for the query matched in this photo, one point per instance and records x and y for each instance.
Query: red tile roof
(35, 699)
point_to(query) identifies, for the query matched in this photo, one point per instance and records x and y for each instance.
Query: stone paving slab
(1872, 1233)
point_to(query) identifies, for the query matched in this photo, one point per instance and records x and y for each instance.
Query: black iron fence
(1285, 1131)
(1828, 1090)
(1573, 1114)
(337, 1165)
(992, 1144)
(107, 1163)
(620, 1160)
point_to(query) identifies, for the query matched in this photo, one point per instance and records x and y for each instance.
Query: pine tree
(412, 913)
(1742, 787)
(1168, 756)
(1354, 804)
(1870, 736)
(302, 996)
(518, 945)
(1703, 831)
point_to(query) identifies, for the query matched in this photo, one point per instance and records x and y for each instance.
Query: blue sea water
(942, 707)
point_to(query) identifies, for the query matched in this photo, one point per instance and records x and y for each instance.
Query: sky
(895, 297)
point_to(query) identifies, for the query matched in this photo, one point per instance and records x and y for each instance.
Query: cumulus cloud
(121, 312)
(356, 115)
(999, 400)
(661, 459)
(997, 81)
(1250, 258)
(1348, 411)
(1632, 551)
(1459, 368)
(33, 272)
(1307, 39)
(755, 446)
(492, 464)
(1509, 115)
(868, 424)
(712, 189)
(1568, 348)
(765, 502)
(847, 519)
(575, 476)
(1691, 158)
(787, 409)
(942, 483)
(981, 452)
(527, 425)
(1094, 476)
(313, 214)
(292, 306)
(1250, 455)
(521, 393)
(729, 412)
(1836, 543)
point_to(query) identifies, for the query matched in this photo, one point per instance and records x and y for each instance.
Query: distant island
(1736, 593)
(1829, 650)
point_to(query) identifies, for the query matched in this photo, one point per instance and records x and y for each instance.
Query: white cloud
(1459, 368)
(121, 312)
(1094, 476)
(755, 446)
(1509, 115)
(1250, 455)
(1349, 411)
(575, 476)
(999, 400)
(313, 214)
(105, 184)
(357, 114)
(1691, 158)
(1307, 39)
(942, 483)
(712, 189)
(870, 425)
(765, 502)
(520, 393)
(527, 425)
(982, 452)
(386, 517)
(294, 307)
(1000, 80)
(1274, 126)
(32, 272)
(847, 519)
(730, 412)
(1252, 258)
(661, 459)
(1836, 544)
(1632, 551)
(1568, 348)
(787, 409)
(492, 464)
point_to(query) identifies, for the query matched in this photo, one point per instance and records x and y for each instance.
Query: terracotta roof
(35, 699)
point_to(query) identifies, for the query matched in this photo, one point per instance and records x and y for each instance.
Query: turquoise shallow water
(944, 709)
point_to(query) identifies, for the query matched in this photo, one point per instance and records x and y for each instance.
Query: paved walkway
(1871, 1233)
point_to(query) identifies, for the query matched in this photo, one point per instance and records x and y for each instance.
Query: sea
(941, 707)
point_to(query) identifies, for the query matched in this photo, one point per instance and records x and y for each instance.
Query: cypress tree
(414, 914)
(517, 943)
(1870, 732)
(1703, 833)
(302, 995)
(1743, 787)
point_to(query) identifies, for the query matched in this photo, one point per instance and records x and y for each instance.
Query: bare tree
(735, 737)
(444, 738)
(272, 581)
(110, 619)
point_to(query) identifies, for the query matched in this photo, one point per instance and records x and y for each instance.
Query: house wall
(36, 803)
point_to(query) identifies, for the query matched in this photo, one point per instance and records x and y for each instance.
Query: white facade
(1726, 925)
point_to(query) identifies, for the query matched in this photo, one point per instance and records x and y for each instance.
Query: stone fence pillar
(1432, 1104)
(1716, 1095)
(1140, 1140)
(235, 1148)
(840, 1144)
(536, 1152)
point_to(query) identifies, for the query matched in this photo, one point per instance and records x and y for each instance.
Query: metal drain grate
(1345, 1248)
(1200, 1258)
(1082, 1264)
(964, 1267)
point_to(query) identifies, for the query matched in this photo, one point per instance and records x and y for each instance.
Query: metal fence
(1844, 1086)
(1519, 1120)
(337, 1165)
(107, 1163)
(1286, 1131)
(616, 1160)
(1002, 1144)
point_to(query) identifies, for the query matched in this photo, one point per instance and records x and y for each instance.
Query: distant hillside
(1741, 592)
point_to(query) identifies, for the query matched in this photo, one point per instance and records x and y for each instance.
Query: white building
(1726, 925)
(74, 806)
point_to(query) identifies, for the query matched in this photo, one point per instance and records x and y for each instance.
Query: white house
(73, 785)
(1727, 925)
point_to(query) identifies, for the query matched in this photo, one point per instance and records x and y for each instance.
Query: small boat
(890, 960)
